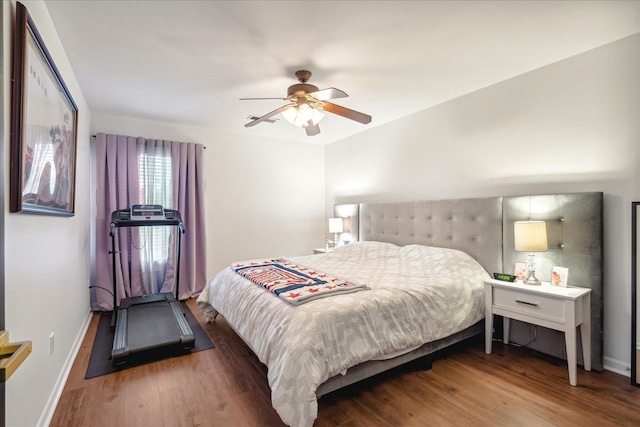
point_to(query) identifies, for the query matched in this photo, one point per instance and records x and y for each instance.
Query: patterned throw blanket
(293, 283)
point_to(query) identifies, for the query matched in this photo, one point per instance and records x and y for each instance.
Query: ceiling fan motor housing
(301, 89)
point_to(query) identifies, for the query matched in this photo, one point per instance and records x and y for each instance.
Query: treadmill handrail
(120, 219)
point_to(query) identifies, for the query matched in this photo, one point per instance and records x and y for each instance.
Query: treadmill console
(123, 214)
(146, 216)
(147, 213)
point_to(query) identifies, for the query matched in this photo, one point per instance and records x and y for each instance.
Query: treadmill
(148, 324)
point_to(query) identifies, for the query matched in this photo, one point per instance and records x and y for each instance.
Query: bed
(424, 264)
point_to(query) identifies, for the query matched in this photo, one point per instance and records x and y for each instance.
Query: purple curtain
(188, 198)
(118, 187)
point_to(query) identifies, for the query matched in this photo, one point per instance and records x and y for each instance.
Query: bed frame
(483, 228)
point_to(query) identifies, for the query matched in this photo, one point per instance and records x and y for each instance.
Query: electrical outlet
(52, 342)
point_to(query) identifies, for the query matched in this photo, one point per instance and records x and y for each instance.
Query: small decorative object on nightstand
(554, 307)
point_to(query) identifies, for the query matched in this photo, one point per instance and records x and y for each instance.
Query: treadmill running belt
(152, 325)
(148, 323)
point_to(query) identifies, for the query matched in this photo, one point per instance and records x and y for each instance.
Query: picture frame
(44, 123)
(521, 270)
(559, 276)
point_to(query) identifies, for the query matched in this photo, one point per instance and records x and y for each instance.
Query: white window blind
(155, 189)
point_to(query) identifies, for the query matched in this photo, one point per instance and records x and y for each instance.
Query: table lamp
(530, 236)
(335, 227)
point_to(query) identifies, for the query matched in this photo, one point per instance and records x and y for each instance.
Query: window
(155, 189)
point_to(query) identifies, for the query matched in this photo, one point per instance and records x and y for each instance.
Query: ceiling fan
(306, 105)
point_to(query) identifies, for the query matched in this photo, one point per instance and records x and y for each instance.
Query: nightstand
(554, 307)
(321, 251)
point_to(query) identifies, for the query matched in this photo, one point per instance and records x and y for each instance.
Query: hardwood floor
(227, 386)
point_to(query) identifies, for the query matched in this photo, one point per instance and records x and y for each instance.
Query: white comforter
(418, 294)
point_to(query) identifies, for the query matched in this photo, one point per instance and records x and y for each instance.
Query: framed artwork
(559, 276)
(44, 121)
(522, 270)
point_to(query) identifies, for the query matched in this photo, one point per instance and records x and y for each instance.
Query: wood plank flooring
(227, 386)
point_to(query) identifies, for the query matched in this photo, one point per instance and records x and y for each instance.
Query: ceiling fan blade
(266, 116)
(312, 129)
(329, 93)
(347, 113)
(260, 99)
(265, 120)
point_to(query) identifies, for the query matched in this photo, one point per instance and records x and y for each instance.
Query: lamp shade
(335, 225)
(530, 236)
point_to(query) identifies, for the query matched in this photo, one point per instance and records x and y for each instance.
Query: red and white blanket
(294, 283)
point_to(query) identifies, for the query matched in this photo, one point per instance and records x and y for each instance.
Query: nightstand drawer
(530, 304)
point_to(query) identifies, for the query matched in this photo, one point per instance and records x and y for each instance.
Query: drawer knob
(533, 304)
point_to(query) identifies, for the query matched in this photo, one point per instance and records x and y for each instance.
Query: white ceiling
(189, 62)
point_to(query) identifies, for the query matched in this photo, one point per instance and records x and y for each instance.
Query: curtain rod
(203, 146)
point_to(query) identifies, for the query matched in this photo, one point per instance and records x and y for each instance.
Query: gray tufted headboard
(470, 225)
(477, 226)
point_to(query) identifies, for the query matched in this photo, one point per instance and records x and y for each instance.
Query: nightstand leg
(585, 332)
(570, 339)
(505, 329)
(488, 318)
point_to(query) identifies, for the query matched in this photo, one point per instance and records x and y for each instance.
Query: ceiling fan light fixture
(301, 114)
(307, 106)
(317, 116)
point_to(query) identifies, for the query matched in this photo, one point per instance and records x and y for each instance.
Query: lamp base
(531, 277)
(532, 281)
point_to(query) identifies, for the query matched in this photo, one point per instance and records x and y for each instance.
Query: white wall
(263, 197)
(46, 257)
(576, 120)
(569, 127)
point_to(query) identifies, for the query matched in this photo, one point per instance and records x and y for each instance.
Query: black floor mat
(100, 361)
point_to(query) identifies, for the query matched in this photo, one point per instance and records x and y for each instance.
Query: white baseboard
(617, 366)
(52, 403)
